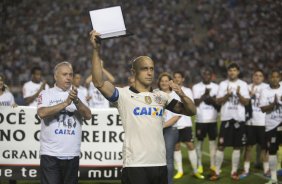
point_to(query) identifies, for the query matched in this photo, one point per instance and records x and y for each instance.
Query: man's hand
(72, 95)
(176, 88)
(43, 85)
(94, 39)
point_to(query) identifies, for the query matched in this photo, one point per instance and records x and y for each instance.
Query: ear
(133, 72)
(55, 77)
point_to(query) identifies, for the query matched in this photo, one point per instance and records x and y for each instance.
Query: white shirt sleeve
(244, 91)
(263, 99)
(196, 92)
(222, 89)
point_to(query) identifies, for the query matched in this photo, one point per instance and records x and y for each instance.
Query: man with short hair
(206, 119)
(141, 110)
(233, 96)
(77, 83)
(62, 110)
(271, 104)
(184, 126)
(32, 88)
(255, 126)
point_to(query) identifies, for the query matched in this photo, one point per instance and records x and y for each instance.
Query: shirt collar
(131, 88)
(60, 89)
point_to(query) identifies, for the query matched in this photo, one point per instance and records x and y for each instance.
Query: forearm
(171, 121)
(198, 101)
(242, 100)
(222, 100)
(97, 72)
(189, 106)
(109, 76)
(30, 99)
(268, 108)
(83, 110)
(45, 112)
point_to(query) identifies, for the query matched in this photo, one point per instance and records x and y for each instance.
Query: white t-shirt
(274, 118)
(205, 113)
(7, 99)
(97, 99)
(60, 134)
(83, 91)
(168, 114)
(233, 109)
(258, 117)
(30, 88)
(142, 117)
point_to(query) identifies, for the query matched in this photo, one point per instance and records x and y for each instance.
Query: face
(178, 79)
(274, 79)
(164, 83)
(64, 77)
(145, 72)
(258, 77)
(233, 73)
(207, 77)
(77, 80)
(36, 76)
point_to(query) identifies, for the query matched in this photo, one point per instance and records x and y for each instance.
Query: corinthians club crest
(148, 99)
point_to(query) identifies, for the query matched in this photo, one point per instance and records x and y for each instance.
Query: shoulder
(27, 83)
(241, 82)
(197, 85)
(215, 85)
(223, 83)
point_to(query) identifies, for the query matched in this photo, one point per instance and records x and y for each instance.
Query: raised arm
(30, 99)
(105, 87)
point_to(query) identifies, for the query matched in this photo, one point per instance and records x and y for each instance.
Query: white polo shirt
(205, 113)
(60, 134)
(30, 88)
(274, 118)
(142, 117)
(7, 99)
(233, 109)
(258, 117)
(97, 99)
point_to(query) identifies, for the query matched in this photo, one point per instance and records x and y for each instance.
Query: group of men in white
(249, 114)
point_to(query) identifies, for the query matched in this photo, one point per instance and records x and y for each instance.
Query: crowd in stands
(178, 35)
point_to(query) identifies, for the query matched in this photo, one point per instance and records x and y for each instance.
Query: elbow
(41, 114)
(88, 116)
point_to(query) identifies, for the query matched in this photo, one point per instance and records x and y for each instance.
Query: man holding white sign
(62, 109)
(141, 110)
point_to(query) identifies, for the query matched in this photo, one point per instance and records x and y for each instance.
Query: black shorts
(144, 175)
(232, 133)
(185, 135)
(202, 129)
(256, 135)
(274, 139)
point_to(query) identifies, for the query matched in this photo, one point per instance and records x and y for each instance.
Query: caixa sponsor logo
(148, 111)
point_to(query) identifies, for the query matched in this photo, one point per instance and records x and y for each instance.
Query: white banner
(101, 147)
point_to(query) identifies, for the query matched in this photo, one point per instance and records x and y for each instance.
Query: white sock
(218, 160)
(235, 160)
(193, 159)
(178, 161)
(265, 167)
(212, 146)
(199, 152)
(273, 167)
(247, 166)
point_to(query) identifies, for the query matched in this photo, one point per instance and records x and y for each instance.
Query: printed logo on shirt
(158, 99)
(233, 102)
(39, 99)
(66, 123)
(148, 99)
(147, 111)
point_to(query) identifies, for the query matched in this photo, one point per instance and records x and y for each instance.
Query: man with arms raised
(141, 111)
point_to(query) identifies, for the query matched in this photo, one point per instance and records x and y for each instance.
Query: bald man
(141, 110)
(62, 109)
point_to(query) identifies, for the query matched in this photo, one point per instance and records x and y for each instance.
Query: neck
(274, 86)
(34, 81)
(166, 91)
(206, 82)
(142, 88)
(233, 80)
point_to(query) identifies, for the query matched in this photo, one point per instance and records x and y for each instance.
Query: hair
(259, 70)
(180, 73)
(34, 69)
(274, 71)
(207, 69)
(233, 65)
(3, 78)
(135, 62)
(164, 74)
(64, 63)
